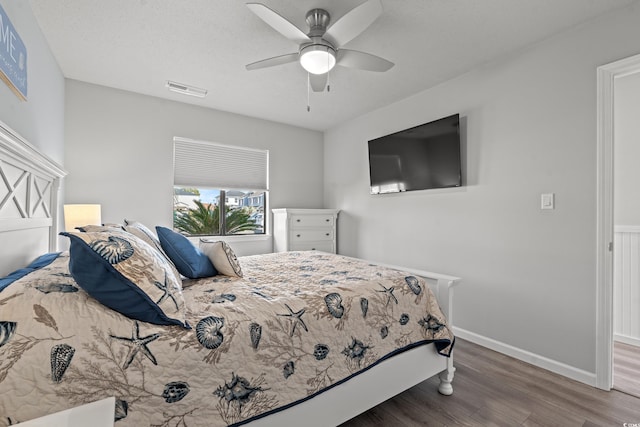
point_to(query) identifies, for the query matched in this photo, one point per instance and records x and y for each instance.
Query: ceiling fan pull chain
(328, 72)
(308, 92)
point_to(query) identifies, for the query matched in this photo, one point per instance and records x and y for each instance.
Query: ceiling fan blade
(318, 81)
(353, 23)
(271, 62)
(362, 61)
(279, 23)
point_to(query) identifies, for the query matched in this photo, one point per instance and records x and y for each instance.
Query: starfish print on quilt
(389, 292)
(166, 292)
(137, 344)
(296, 317)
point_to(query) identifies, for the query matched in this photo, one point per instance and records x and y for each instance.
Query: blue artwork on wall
(13, 57)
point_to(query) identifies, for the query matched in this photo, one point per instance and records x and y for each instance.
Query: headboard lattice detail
(30, 186)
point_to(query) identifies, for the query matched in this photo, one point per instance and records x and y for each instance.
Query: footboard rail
(442, 285)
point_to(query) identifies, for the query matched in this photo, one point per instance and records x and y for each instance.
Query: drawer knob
(297, 220)
(297, 235)
(327, 220)
(327, 234)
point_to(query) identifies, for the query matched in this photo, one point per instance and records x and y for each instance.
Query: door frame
(606, 76)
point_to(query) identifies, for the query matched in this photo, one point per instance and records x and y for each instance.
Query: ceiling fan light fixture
(317, 58)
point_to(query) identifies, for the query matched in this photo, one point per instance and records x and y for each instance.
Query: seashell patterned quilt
(297, 324)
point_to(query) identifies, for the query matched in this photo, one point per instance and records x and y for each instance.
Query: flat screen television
(420, 158)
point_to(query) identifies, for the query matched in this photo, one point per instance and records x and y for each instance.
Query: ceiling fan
(321, 48)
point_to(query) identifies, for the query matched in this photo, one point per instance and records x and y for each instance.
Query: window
(219, 189)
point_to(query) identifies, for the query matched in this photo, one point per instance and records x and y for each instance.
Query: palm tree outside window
(214, 212)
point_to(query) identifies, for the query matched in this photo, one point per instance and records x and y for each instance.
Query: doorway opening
(607, 76)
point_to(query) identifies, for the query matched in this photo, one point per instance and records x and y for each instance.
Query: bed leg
(446, 377)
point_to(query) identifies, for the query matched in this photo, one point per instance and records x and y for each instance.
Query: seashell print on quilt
(289, 369)
(175, 391)
(413, 284)
(255, 332)
(320, 351)
(114, 249)
(334, 304)
(61, 356)
(208, 332)
(7, 329)
(122, 409)
(364, 306)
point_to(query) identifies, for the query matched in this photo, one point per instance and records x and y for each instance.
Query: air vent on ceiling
(186, 89)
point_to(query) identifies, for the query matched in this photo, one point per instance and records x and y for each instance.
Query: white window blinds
(206, 164)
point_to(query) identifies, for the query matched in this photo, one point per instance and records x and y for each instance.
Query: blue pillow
(127, 275)
(41, 261)
(190, 261)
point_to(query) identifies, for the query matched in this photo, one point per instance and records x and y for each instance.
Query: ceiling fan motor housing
(318, 21)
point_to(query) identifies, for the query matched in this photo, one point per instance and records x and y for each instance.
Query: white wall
(40, 120)
(529, 124)
(626, 194)
(119, 153)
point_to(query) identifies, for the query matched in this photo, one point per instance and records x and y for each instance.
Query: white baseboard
(627, 339)
(585, 377)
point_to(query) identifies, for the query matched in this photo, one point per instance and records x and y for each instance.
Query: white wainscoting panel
(626, 284)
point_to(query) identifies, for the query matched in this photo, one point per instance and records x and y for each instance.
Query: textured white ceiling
(137, 45)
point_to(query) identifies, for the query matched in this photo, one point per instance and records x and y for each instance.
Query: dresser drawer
(326, 246)
(310, 235)
(305, 230)
(311, 221)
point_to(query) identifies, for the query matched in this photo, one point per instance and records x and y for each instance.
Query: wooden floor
(491, 389)
(626, 368)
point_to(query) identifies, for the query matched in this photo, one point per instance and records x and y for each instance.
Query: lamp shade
(80, 215)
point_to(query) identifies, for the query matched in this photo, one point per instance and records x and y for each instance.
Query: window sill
(244, 238)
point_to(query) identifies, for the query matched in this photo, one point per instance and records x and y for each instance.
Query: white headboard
(29, 201)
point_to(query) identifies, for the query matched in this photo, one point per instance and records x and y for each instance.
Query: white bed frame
(29, 201)
(29, 209)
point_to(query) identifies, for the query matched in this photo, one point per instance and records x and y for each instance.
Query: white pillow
(142, 232)
(222, 257)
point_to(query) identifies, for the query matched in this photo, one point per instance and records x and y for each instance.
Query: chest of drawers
(305, 230)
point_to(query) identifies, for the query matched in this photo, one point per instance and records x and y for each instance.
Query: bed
(296, 334)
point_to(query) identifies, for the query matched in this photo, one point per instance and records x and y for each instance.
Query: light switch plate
(547, 201)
